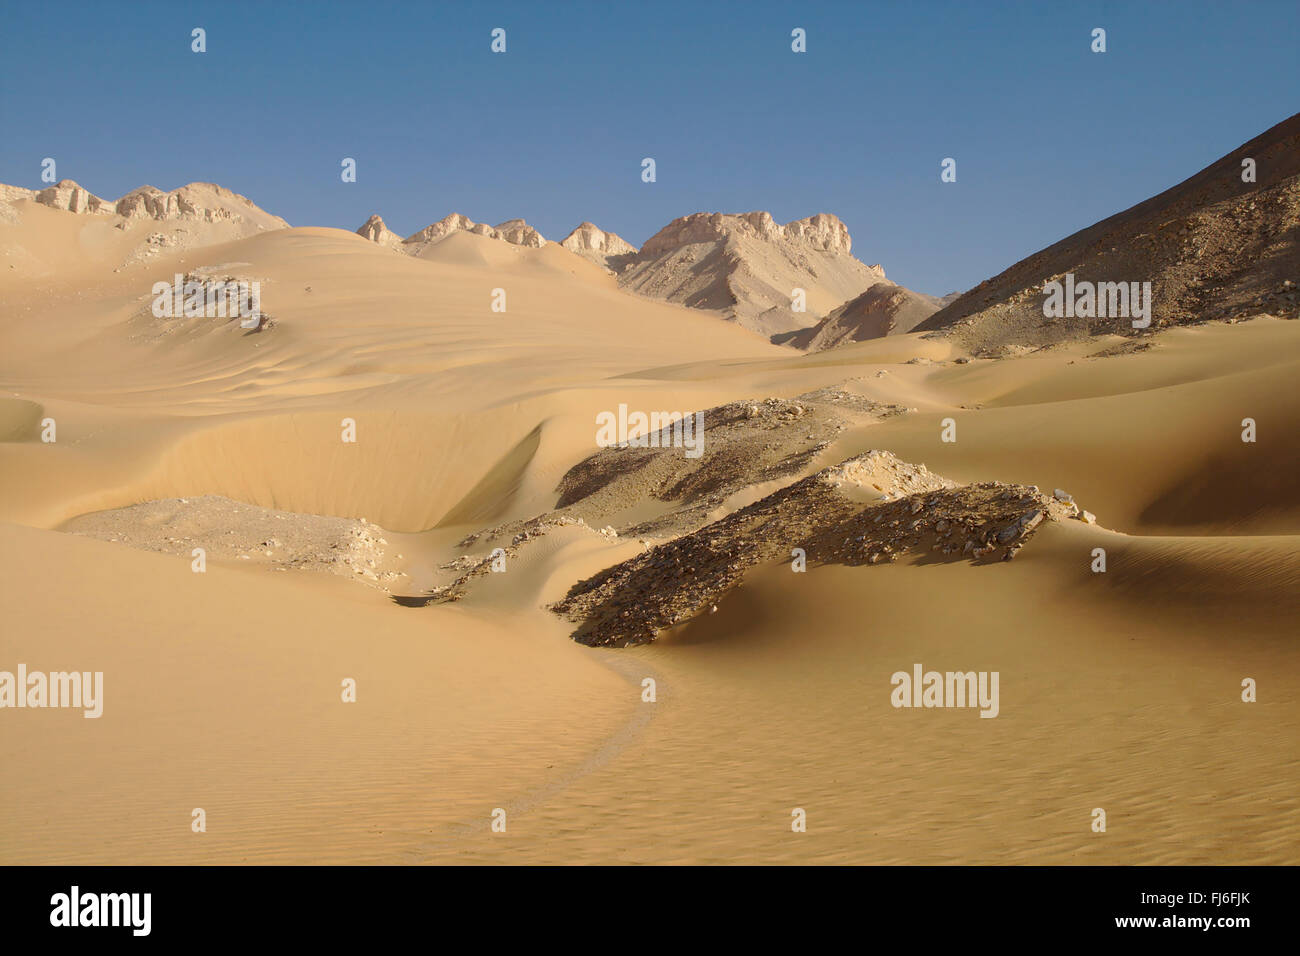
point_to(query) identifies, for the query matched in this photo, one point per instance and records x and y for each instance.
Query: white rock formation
(514, 231)
(748, 267)
(66, 194)
(375, 230)
(519, 233)
(15, 193)
(590, 238)
(822, 232)
(196, 202)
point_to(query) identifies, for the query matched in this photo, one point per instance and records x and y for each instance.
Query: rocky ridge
(594, 244)
(884, 309)
(195, 202)
(746, 266)
(1213, 247)
(908, 512)
(375, 230)
(514, 231)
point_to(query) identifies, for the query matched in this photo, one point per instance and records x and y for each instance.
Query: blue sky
(1048, 136)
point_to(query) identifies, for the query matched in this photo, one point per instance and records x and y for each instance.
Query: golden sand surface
(1119, 690)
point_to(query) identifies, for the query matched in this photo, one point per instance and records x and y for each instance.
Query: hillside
(747, 267)
(1213, 247)
(884, 309)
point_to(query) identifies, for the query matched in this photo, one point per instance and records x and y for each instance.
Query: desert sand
(330, 560)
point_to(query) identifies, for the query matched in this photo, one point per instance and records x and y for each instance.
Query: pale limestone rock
(514, 231)
(69, 196)
(375, 230)
(590, 238)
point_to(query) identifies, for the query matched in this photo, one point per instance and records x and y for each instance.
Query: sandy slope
(222, 690)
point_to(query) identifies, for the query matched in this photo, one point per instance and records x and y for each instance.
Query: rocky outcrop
(747, 267)
(234, 531)
(445, 226)
(822, 232)
(375, 230)
(593, 243)
(1212, 247)
(590, 238)
(196, 202)
(868, 510)
(519, 233)
(884, 309)
(515, 231)
(12, 194)
(69, 196)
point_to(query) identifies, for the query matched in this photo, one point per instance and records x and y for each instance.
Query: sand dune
(478, 430)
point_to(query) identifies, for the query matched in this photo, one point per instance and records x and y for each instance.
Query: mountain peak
(883, 309)
(514, 231)
(1214, 246)
(375, 230)
(201, 202)
(822, 232)
(71, 196)
(771, 278)
(588, 237)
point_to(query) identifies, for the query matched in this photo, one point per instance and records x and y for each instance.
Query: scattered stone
(651, 592)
